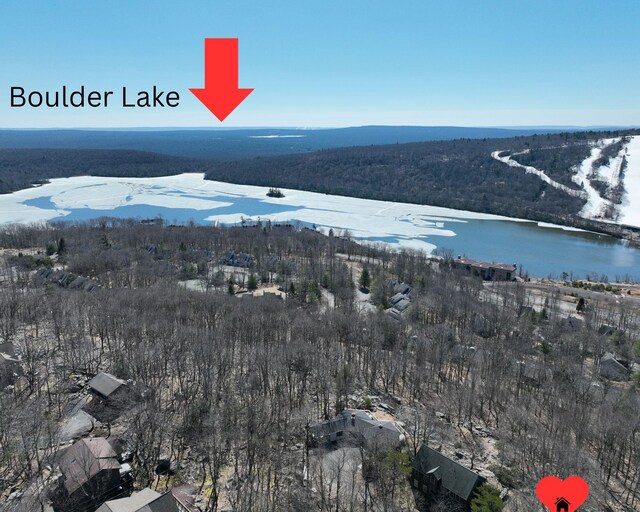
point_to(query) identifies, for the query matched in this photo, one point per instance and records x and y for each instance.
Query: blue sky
(334, 63)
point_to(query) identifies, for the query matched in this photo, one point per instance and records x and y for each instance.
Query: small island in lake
(275, 192)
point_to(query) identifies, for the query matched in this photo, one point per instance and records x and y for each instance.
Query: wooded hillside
(225, 383)
(458, 174)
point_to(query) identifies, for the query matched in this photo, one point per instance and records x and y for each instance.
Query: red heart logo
(562, 495)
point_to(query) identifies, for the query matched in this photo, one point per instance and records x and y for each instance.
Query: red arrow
(221, 94)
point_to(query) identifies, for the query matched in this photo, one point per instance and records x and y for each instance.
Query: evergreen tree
(487, 499)
(252, 283)
(365, 280)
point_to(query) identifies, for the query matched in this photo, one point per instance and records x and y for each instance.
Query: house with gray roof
(65, 279)
(110, 396)
(237, 259)
(571, 324)
(612, 368)
(436, 475)
(8, 348)
(402, 305)
(146, 500)
(533, 372)
(402, 289)
(394, 313)
(359, 427)
(397, 298)
(106, 385)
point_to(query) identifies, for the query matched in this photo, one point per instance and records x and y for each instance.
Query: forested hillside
(459, 174)
(22, 168)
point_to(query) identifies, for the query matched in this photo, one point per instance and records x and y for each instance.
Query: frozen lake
(542, 250)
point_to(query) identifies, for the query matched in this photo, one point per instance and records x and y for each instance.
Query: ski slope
(611, 189)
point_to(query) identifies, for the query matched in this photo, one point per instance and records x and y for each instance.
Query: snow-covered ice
(276, 136)
(185, 197)
(401, 224)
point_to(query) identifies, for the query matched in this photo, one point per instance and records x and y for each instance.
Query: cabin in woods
(146, 500)
(90, 475)
(436, 475)
(110, 396)
(358, 426)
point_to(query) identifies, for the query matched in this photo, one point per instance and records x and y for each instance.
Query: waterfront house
(485, 270)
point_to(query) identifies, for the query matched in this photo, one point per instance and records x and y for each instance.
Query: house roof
(105, 383)
(397, 298)
(85, 459)
(402, 288)
(402, 305)
(146, 500)
(454, 477)
(483, 264)
(608, 356)
(534, 370)
(572, 323)
(6, 358)
(8, 348)
(185, 495)
(611, 361)
(361, 423)
(394, 313)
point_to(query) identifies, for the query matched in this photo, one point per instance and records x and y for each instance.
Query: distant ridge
(233, 144)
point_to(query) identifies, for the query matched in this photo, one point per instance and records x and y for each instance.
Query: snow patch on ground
(610, 173)
(597, 207)
(622, 170)
(613, 175)
(630, 207)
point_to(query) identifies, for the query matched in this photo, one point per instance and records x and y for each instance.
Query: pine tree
(252, 283)
(487, 499)
(365, 280)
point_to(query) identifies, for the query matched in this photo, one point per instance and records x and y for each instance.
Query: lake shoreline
(540, 247)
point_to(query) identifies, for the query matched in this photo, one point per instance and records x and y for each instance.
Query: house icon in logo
(562, 505)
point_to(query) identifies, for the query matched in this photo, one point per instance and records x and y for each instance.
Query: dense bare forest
(234, 341)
